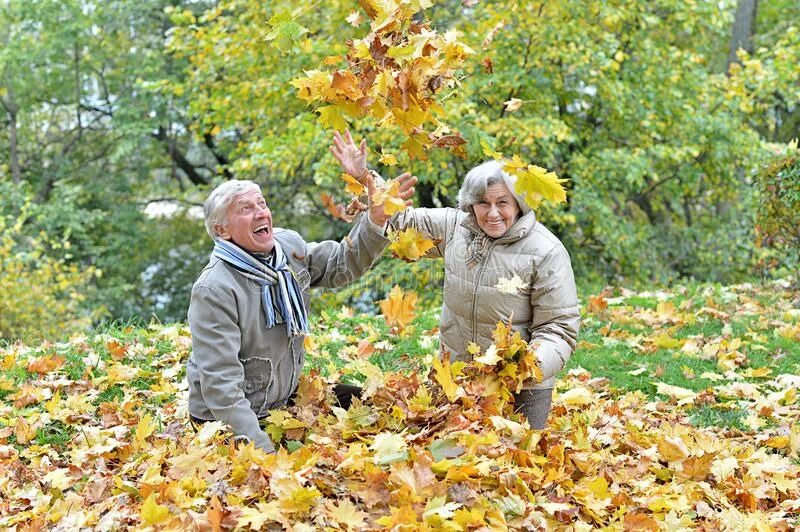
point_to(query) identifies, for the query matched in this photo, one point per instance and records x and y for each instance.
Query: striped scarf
(280, 294)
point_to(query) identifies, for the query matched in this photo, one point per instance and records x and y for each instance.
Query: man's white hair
(215, 209)
(483, 176)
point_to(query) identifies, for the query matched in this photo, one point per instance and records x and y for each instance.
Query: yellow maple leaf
(388, 159)
(331, 116)
(52, 404)
(352, 185)
(535, 184)
(315, 85)
(490, 358)
(389, 196)
(301, 500)
(398, 308)
(672, 448)
(444, 377)
(490, 152)
(409, 244)
(578, 396)
(153, 513)
(346, 514)
(144, 429)
(389, 447)
(682, 395)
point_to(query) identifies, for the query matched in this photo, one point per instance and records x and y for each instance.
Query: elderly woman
(493, 236)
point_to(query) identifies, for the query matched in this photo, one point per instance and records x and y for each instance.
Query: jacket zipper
(475, 293)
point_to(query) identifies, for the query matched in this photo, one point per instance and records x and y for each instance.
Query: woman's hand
(405, 192)
(352, 158)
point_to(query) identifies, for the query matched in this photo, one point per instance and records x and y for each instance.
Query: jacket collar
(521, 227)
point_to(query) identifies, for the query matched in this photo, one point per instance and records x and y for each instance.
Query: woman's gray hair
(483, 176)
(215, 209)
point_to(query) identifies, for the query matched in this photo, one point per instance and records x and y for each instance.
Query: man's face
(249, 223)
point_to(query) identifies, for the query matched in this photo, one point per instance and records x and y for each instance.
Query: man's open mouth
(263, 230)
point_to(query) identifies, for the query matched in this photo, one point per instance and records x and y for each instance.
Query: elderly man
(249, 307)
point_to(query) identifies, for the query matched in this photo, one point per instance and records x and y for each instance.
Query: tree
(626, 99)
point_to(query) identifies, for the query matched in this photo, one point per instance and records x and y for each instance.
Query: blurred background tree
(659, 113)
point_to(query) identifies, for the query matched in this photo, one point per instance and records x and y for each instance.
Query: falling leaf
(513, 104)
(354, 18)
(388, 159)
(398, 307)
(352, 185)
(535, 184)
(514, 285)
(388, 195)
(487, 41)
(409, 244)
(336, 210)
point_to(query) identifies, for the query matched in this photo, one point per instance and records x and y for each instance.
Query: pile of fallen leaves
(94, 433)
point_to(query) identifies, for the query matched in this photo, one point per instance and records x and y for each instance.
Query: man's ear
(222, 231)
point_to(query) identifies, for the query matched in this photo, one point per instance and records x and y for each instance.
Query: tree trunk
(744, 27)
(180, 159)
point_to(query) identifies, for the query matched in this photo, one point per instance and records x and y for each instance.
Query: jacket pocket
(257, 381)
(303, 279)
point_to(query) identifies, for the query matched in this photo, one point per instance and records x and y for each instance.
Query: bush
(40, 295)
(778, 213)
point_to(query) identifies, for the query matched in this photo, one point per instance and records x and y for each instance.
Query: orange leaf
(116, 350)
(215, 514)
(640, 522)
(45, 365)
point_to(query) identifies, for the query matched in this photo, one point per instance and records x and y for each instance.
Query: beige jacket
(239, 369)
(544, 309)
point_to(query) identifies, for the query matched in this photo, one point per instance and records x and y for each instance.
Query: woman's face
(497, 211)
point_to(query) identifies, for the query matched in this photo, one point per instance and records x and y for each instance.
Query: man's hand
(405, 192)
(352, 158)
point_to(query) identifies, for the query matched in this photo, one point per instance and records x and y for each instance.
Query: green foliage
(778, 214)
(634, 108)
(40, 294)
(107, 105)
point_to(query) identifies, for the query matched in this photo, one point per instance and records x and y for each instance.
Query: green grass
(708, 416)
(112, 394)
(56, 434)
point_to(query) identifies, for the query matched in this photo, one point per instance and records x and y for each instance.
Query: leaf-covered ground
(679, 410)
